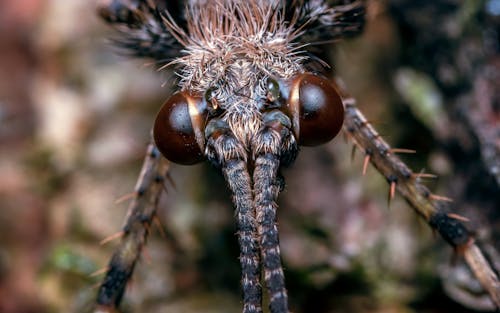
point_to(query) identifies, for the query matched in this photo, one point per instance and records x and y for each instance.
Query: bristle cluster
(231, 48)
(140, 29)
(235, 44)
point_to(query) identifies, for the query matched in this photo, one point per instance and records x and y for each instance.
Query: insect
(248, 96)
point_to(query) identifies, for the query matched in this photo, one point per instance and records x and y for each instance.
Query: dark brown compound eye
(316, 108)
(178, 128)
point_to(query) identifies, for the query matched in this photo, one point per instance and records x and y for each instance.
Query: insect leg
(142, 210)
(273, 145)
(432, 208)
(226, 152)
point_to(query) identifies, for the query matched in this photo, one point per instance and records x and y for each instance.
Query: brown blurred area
(75, 118)
(59, 146)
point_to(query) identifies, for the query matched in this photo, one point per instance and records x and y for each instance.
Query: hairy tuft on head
(225, 38)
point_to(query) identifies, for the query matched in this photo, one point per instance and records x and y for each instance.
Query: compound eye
(178, 128)
(316, 108)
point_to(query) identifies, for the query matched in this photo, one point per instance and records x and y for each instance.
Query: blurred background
(74, 124)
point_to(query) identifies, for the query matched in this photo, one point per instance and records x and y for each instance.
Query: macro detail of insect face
(185, 121)
(248, 95)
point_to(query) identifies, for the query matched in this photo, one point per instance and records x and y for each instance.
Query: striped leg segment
(142, 211)
(239, 182)
(226, 152)
(273, 144)
(266, 193)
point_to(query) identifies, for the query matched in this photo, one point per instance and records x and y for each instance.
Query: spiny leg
(431, 207)
(142, 211)
(272, 145)
(226, 152)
